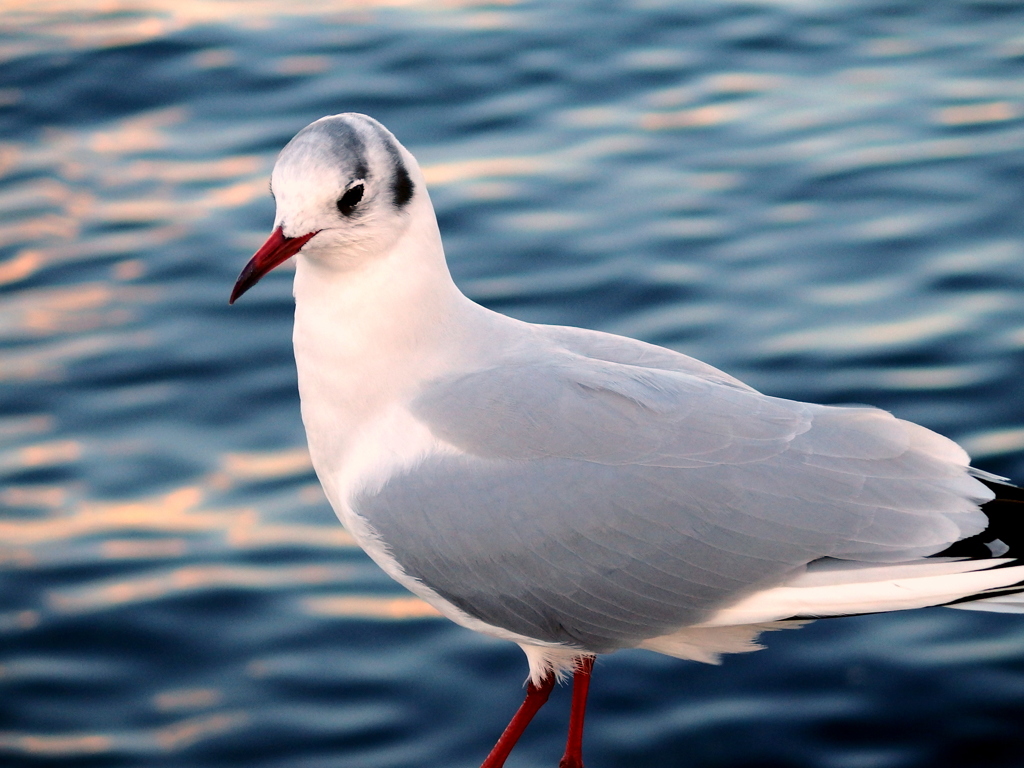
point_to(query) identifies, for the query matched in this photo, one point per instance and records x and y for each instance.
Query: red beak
(277, 250)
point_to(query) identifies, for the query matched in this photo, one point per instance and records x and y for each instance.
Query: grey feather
(333, 144)
(603, 498)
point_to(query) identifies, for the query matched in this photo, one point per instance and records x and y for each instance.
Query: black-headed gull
(577, 492)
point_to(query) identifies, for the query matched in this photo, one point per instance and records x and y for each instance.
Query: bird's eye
(348, 202)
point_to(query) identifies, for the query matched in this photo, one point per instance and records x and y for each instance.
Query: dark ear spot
(401, 186)
(347, 203)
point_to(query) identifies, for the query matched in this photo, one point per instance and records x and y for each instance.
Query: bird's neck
(366, 336)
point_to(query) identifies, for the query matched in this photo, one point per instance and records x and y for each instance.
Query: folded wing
(599, 503)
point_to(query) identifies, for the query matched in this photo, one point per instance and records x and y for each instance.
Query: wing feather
(598, 501)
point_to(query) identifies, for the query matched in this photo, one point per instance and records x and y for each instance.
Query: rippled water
(822, 198)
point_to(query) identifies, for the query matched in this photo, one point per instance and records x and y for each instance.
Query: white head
(345, 189)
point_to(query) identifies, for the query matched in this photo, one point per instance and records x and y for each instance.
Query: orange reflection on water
(140, 133)
(41, 455)
(370, 607)
(75, 309)
(56, 746)
(48, 361)
(169, 738)
(187, 698)
(188, 732)
(268, 535)
(236, 195)
(466, 170)
(184, 171)
(214, 58)
(26, 425)
(302, 65)
(129, 269)
(42, 226)
(109, 244)
(698, 117)
(109, 594)
(142, 549)
(994, 442)
(267, 465)
(13, 620)
(978, 114)
(171, 512)
(112, 31)
(179, 513)
(38, 496)
(21, 266)
(164, 528)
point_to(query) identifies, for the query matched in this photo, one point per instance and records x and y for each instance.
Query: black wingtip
(1005, 529)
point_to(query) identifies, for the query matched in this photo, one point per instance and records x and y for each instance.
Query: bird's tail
(981, 573)
(984, 572)
(1003, 538)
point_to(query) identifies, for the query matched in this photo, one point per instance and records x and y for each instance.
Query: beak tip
(276, 250)
(243, 284)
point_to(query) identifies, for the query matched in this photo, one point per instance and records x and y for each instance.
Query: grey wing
(598, 504)
(622, 349)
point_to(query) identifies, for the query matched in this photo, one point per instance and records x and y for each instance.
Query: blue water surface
(823, 198)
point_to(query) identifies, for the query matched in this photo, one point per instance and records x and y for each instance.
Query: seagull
(578, 492)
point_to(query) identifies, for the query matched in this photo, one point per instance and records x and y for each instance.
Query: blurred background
(822, 198)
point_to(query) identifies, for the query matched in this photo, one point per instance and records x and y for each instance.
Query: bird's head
(343, 187)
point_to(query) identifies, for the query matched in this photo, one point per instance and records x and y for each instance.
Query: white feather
(848, 589)
(707, 644)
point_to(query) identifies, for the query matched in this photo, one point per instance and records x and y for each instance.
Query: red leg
(536, 695)
(573, 757)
